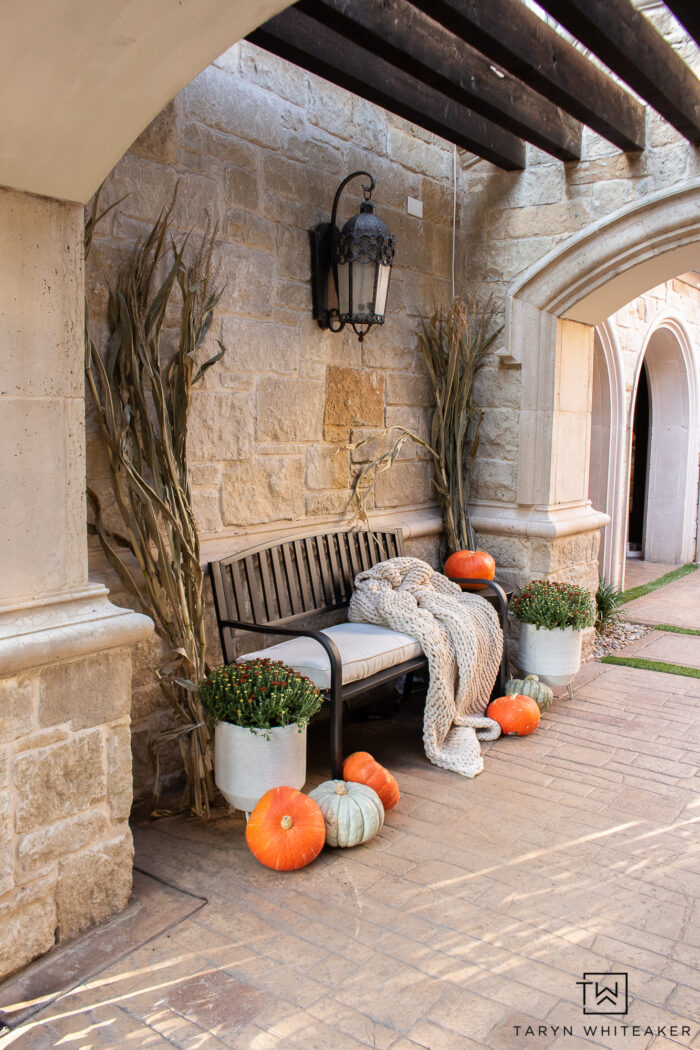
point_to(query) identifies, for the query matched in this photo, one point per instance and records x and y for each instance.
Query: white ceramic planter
(246, 765)
(554, 656)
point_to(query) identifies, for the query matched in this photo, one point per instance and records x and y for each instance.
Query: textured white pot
(555, 656)
(246, 765)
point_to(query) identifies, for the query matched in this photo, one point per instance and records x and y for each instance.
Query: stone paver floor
(470, 921)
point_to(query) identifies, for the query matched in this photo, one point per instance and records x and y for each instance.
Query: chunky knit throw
(460, 635)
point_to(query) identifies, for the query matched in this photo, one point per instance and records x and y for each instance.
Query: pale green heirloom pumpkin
(353, 812)
(531, 686)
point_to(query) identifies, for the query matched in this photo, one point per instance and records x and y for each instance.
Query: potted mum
(261, 709)
(552, 619)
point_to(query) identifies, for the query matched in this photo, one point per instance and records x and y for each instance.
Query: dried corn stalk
(142, 394)
(454, 343)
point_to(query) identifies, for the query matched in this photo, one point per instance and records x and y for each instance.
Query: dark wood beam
(399, 33)
(629, 45)
(688, 14)
(307, 43)
(521, 43)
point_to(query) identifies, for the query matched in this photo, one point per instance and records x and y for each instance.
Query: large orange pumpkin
(472, 565)
(517, 715)
(361, 768)
(286, 830)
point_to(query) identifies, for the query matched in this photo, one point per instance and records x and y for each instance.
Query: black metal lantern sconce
(360, 257)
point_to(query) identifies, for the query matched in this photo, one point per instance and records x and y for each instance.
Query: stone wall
(259, 147)
(65, 799)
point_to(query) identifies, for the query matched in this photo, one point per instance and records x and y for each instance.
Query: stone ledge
(40, 634)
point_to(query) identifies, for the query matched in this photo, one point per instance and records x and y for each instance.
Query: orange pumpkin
(517, 715)
(286, 830)
(361, 768)
(473, 565)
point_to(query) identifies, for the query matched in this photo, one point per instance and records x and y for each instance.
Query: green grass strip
(645, 588)
(675, 630)
(652, 665)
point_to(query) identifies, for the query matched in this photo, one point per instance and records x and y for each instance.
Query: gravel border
(617, 635)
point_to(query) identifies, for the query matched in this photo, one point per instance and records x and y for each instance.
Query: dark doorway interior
(639, 467)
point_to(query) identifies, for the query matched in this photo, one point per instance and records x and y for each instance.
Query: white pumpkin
(353, 812)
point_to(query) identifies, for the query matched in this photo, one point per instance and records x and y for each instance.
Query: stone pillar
(552, 530)
(65, 667)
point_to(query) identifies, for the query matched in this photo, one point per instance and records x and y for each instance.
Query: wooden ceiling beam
(521, 43)
(307, 43)
(688, 14)
(629, 45)
(399, 33)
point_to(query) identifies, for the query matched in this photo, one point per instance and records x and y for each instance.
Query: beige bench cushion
(364, 648)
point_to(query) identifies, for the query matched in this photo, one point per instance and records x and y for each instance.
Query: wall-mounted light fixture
(359, 257)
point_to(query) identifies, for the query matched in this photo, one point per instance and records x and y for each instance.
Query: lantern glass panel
(344, 288)
(363, 274)
(382, 289)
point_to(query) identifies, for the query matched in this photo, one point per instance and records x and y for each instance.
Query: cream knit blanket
(462, 639)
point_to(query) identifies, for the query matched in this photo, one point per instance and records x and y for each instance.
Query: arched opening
(639, 468)
(662, 454)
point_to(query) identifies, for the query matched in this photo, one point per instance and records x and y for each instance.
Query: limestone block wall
(65, 799)
(258, 147)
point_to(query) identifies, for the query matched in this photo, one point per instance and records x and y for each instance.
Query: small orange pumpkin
(517, 715)
(363, 769)
(286, 830)
(474, 565)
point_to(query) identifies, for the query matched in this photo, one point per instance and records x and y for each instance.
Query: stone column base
(65, 769)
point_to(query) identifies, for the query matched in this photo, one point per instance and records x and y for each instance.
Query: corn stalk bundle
(454, 343)
(142, 394)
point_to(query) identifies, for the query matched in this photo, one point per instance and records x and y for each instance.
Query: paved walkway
(470, 921)
(677, 603)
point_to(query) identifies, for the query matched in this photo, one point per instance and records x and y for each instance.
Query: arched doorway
(607, 471)
(662, 459)
(639, 468)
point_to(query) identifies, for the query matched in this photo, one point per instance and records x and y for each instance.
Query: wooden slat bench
(273, 588)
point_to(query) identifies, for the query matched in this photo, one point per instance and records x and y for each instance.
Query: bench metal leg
(336, 698)
(408, 686)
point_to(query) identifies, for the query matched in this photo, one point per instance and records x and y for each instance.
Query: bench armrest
(295, 632)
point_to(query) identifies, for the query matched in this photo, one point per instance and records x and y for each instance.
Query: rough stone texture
(57, 781)
(269, 487)
(93, 884)
(119, 780)
(63, 789)
(105, 683)
(17, 702)
(354, 398)
(289, 410)
(40, 848)
(25, 933)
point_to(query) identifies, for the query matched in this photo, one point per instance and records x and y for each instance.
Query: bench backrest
(279, 583)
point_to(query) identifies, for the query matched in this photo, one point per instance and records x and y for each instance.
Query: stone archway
(608, 479)
(671, 484)
(551, 313)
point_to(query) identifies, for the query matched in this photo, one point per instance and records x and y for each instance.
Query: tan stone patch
(26, 933)
(58, 781)
(16, 706)
(327, 468)
(289, 410)
(93, 885)
(39, 848)
(354, 397)
(119, 778)
(86, 692)
(269, 488)
(220, 427)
